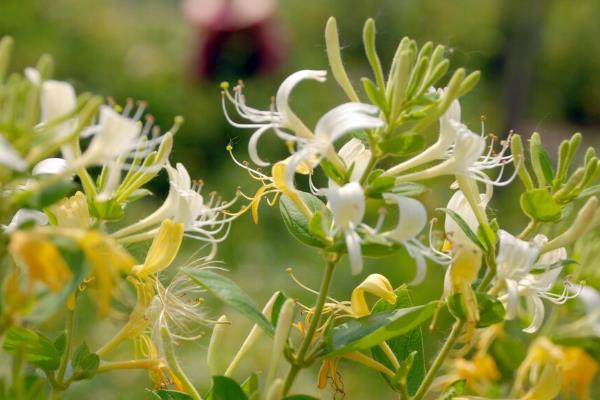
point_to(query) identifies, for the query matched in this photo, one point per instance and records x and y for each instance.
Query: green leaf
(47, 196)
(539, 204)
(379, 185)
(300, 397)
(332, 172)
(491, 310)
(455, 389)
(409, 189)
(163, 394)
(403, 144)
(364, 333)
(296, 221)
(227, 291)
(315, 226)
(38, 349)
(509, 352)
(250, 386)
(225, 388)
(375, 95)
(84, 362)
(464, 227)
(402, 346)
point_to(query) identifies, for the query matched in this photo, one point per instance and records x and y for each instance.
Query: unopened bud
(214, 358)
(582, 223)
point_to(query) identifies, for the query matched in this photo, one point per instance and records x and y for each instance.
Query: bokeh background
(540, 63)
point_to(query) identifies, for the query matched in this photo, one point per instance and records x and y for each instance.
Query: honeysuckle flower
(184, 204)
(58, 98)
(163, 250)
(466, 256)
(355, 155)
(449, 124)
(40, 258)
(515, 261)
(71, 212)
(280, 116)
(347, 204)
(375, 284)
(50, 166)
(542, 369)
(10, 157)
(466, 158)
(412, 218)
(332, 126)
(23, 216)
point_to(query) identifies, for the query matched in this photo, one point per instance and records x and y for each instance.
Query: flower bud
(163, 250)
(584, 220)
(72, 212)
(214, 358)
(284, 323)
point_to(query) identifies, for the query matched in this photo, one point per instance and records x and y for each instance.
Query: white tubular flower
(335, 124)
(449, 124)
(10, 157)
(114, 136)
(466, 158)
(347, 204)
(412, 218)
(516, 258)
(279, 117)
(57, 99)
(184, 204)
(460, 205)
(356, 156)
(50, 166)
(25, 215)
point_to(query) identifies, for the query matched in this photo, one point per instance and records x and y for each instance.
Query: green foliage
(47, 196)
(227, 291)
(84, 362)
(403, 144)
(464, 227)
(163, 394)
(403, 346)
(38, 349)
(491, 310)
(539, 205)
(364, 333)
(296, 221)
(225, 388)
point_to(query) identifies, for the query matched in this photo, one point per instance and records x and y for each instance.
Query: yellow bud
(375, 284)
(41, 258)
(72, 212)
(163, 250)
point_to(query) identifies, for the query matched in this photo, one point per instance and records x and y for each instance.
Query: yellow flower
(579, 372)
(41, 258)
(107, 260)
(72, 212)
(375, 284)
(163, 250)
(478, 372)
(542, 369)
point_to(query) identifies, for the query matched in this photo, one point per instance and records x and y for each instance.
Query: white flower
(25, 215)
(347, 204)
(449, 124)
(460, 205)
(278, 118)
(356, 156)
(184, 204)
(50, 166)
(58, 98)
(9, 157)
(336, 123)
(412, 218)
(515, 261)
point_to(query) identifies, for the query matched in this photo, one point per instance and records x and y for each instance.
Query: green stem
(529, 229)
(70, 327)
(314, 323)
(17, 368)
(174, 364)
(439, 360)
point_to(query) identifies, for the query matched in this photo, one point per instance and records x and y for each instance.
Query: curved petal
(515, 256)
(354, 251)
(346, 118)
(253, 146)
(25, 215)
(512, 302)
(536, 305)
(50, 166)
(9, 157)
(286, 87)
(412, 217)
(347, 204)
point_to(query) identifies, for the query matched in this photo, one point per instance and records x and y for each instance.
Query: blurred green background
(541, 71)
